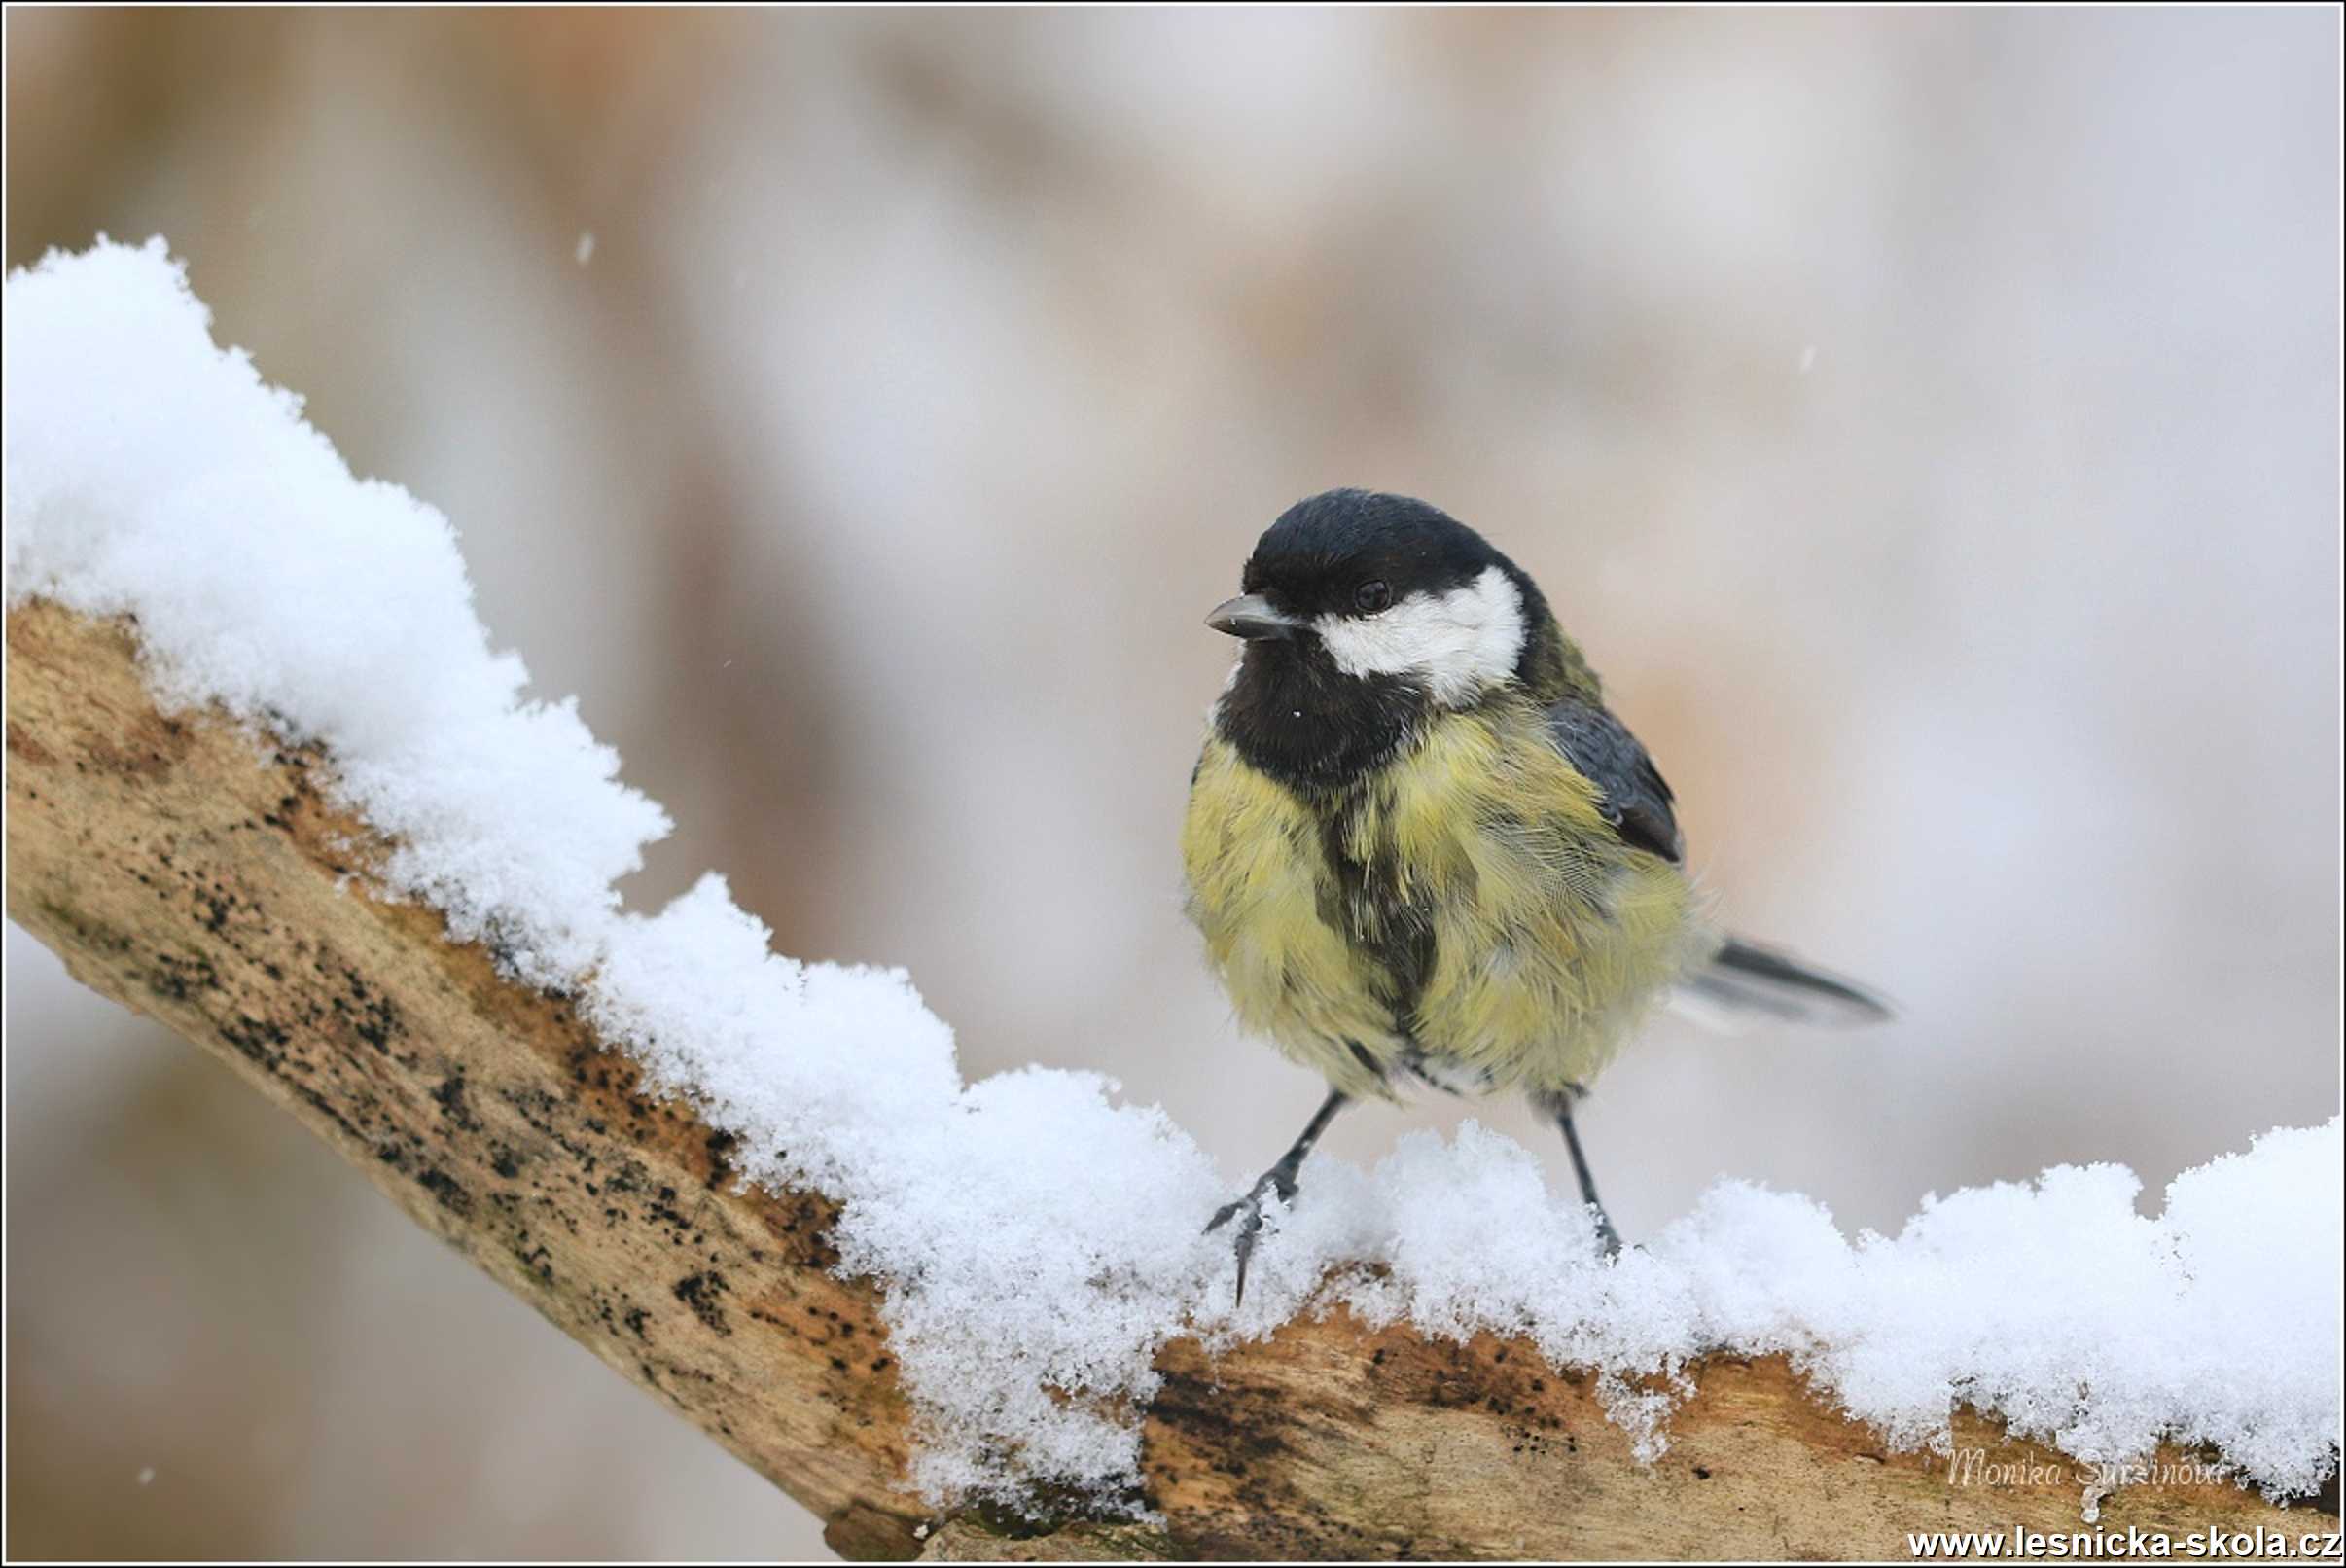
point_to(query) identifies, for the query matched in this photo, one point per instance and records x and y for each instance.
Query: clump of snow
(148, 472)
(2051, 1305)
(1036, 1240)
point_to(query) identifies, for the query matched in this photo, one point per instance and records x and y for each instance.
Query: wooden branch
(180, 869)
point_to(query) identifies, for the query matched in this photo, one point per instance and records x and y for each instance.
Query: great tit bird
(1420, 848)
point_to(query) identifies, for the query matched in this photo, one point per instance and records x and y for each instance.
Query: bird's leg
(1280, 1179)
(1560, 1106)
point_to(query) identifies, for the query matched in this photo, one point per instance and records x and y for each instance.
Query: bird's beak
(1252, 617)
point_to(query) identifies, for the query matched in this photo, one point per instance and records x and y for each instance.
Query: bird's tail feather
(1745, 983)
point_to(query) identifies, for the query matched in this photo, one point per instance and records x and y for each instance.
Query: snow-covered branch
(294, 806)
(188, 874)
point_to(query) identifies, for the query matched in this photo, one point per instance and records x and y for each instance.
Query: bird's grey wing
(1635, 799)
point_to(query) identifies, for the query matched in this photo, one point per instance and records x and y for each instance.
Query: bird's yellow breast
(1465, 906)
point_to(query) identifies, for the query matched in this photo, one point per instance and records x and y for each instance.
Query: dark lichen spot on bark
(255, 1039)
(441, 1186)
(700, 1292)
(721, 1147)
(1242, 1422)
(326, 1108)
(449, 1096)
(664, 1210)
(181, 979)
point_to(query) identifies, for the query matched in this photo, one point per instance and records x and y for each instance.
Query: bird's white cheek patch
(1459, 643)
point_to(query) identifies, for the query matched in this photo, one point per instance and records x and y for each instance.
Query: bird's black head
(1363, 615)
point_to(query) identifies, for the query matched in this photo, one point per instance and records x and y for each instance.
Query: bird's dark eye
(1372, 596)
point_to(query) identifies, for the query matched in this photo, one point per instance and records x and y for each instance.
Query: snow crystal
(1036, 1240)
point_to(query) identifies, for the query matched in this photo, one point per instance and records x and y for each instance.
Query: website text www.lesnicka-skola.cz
(2263, 1545)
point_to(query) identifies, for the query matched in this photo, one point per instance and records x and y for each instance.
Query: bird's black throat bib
(1294, 716)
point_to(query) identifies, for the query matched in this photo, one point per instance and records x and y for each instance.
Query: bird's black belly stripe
(1364, 900)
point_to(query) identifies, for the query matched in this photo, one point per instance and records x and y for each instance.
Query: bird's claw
(1242, 1245)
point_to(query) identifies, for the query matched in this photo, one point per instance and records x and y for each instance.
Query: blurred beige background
(1928, 422)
